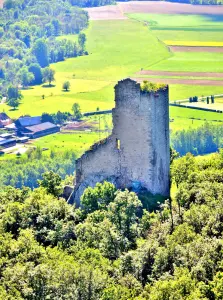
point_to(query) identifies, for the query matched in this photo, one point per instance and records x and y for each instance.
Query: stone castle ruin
(137, 153)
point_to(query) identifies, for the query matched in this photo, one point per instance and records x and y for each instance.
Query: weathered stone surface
(138, 149)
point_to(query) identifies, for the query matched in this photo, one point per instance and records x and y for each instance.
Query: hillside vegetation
(92, 77)
(28, 44)
(112, 249)
(107, 45)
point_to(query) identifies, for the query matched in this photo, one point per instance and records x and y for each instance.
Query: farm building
(27, 121)
(32, 127)
(11, 127)
(39, 130)
(23, 139)
(6, 143)
(4, 120)
(6, 135)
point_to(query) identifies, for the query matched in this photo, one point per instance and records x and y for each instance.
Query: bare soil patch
(189, 74)
(112, 12)
(169, 8)
(1, 3)
(79, 126)
(205, 82)
(196, 49)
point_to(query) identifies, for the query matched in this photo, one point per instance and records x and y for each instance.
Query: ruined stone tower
(138, 150)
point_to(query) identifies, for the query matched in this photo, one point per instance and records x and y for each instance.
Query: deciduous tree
(76, 111)
(40, 50)
(48, 75)
(52, 183)
(66, 85)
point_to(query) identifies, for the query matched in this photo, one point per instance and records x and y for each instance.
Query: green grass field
(188, 21)
(184, 118)
(189, 35)
(192, 62)
(76, 141)
(119, 49)
(116, 50)
(196, 28)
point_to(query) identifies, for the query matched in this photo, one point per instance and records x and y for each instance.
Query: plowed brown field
(189, 74)
(204, 82)
(196, 49)
(118, 11)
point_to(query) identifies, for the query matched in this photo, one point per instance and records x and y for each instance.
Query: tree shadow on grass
(215, 18)
(13, 109)
(27, 88)
(48, 86)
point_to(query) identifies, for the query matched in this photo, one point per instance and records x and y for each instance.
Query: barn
(40, 130)
(6, 143)
(27, 121)
(4, 120)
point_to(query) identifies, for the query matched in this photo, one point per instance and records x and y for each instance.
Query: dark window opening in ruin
(118, 144)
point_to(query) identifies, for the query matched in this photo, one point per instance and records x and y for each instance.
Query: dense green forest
(112, 248)
(26, 170)
(198, 141)
(28, 33)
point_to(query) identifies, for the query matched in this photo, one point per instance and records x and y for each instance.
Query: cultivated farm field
(115, 52)
(132, 45)
(197, 55)
(112, 12)
(192, 33)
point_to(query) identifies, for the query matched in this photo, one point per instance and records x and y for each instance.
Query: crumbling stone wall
(138, 149)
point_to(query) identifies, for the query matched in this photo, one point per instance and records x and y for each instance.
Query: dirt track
(118, 11)
(205, 82)
(196, 49)
(189, 74)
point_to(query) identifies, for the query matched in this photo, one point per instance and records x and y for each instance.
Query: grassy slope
(189, 35)
(198, 28)
(192, 62)
(186, 91)
(78, 142)
(116, 50)
(187, 28)
(170, 20)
